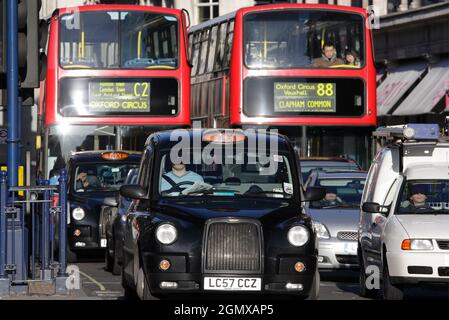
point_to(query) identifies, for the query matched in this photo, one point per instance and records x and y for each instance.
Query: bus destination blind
(119, 97)
(304, 97)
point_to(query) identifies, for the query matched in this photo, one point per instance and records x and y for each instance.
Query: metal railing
(36, 217)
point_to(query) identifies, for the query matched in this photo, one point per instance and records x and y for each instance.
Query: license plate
(232, 284)
(103, 243)
(350, 248)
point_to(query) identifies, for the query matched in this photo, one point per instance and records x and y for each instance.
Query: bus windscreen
(291, 39)
(118, 40)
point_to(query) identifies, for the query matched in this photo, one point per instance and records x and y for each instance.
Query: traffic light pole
(13, 89)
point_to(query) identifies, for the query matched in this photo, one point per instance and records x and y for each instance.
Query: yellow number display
(141, 89)
(325, 90)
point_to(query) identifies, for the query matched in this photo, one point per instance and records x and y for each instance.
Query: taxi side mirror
(133, 191)
(110, 202)
(371, 207)
(314, 194)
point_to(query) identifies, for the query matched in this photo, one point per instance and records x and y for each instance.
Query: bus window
(113, 39)
(297, 39)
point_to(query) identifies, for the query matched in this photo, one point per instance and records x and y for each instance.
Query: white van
(404, 221)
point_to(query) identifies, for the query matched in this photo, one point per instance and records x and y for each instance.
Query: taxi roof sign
(114, 155)
(223, 136)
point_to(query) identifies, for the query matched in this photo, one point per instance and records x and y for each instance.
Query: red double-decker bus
(115, 74)
(306, 70)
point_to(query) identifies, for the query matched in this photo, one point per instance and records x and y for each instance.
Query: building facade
(202, 10)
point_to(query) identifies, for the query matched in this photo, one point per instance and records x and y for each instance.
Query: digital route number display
(119, 97)
(305, 97)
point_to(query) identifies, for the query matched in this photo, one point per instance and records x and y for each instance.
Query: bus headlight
(298, 236)
(166, 234)
(78, 214)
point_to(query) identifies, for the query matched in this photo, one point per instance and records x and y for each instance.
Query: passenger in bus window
(352, 58)
(328, 58)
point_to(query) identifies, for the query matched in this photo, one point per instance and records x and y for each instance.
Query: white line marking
(102, 287)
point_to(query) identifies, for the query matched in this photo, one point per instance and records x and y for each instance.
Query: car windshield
(239, 175)
(306, 169)
(101, 176)
(118, 39)
(425, 197)
(340, 192)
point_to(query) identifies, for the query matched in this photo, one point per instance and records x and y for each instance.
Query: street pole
(13, 89)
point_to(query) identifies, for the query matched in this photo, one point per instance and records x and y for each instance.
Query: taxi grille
(443, 244)
(233, 246)
(347, 235)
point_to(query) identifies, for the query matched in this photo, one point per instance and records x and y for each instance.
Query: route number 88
(327, 89)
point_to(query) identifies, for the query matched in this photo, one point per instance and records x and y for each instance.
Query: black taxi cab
(219, 211)
(93, 176)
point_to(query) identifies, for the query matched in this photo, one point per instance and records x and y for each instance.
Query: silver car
(336, 217)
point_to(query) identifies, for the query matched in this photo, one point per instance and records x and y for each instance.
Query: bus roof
(269, 7)
(117, 7)
(282, 6)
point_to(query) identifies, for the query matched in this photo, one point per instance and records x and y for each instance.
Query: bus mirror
(314, 194)
(133, 191)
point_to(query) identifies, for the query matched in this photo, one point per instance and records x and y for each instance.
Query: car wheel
(143, 289)
(390, 291)
(128, 292)
(364, 291)
(315, 290)
(71, 255)
(115, 265)
(107, 256)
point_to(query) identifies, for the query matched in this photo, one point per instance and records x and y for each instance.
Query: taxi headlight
(166, 234)
(298, 236)
(78, 214)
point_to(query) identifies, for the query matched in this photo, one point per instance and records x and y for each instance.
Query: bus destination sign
(304, 97)
(119, 97)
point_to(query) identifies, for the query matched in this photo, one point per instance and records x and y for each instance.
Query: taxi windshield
(425, 197)
(238, 175)
(340, 193)
(118, 39)
(101, 176)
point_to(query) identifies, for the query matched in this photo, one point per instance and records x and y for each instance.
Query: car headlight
(78, 214)
(123, 218)
(417, 244)
(321, 230)
(298, 236)
(166, 234)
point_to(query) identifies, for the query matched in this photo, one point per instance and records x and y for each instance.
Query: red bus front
(282, 78)
(115, 74)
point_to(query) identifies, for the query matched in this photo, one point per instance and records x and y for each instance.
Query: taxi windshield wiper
(265, 192)
(213, 192)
